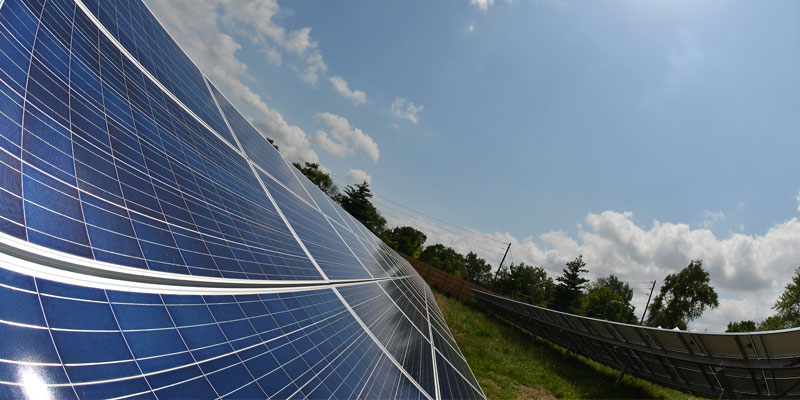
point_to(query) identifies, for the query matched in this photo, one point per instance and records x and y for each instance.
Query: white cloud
(711, 217)
(482, 4)
(198, 28)
(349, 139)
(324, 141)
(404, 109)
(471, 28)
(357, 176)
(274, 56)
(315, 67)
(748, 271)
(341, 86)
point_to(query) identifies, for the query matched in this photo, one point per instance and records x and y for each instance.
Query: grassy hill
(510, 364)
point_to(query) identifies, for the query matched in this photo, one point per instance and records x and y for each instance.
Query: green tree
(355, 200)
(405, 239)
(445, 259)
(318, 177)
(788, 305)
(772, 323)
(683, 298)
(272, 142)
(477, 270)
(741, 326)
(568, 293)
(525, 283)
(609, 298)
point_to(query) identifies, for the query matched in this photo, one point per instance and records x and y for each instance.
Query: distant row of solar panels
(732, 365)
(154, 244)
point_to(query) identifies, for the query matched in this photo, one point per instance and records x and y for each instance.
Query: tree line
(682, 298)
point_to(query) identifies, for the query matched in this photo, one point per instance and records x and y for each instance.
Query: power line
(469, 230)
(443, 221)
(471, 236)
(438, 229)
(431, 223)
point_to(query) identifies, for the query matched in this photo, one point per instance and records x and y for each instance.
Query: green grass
(510, 364)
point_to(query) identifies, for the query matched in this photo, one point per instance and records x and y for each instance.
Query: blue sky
(640, 134)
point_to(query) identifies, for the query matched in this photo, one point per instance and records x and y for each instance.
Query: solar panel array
(730, 365)
(154, 244)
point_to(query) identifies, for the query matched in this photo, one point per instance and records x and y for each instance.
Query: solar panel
(732, 365)
(154, 244)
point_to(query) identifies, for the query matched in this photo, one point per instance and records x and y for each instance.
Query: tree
(568, 293)
(477, 270)
(683, 297)
(609, 298)
(788, 305)
(772, 323)
(525, 283)
(355, 200)
(445, 259)
(272, 142)
(318, 177)
(741, 326)
(405, 239)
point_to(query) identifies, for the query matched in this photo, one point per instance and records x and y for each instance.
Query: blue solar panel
(153, 244)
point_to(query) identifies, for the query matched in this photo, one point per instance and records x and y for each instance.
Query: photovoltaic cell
(154, 244)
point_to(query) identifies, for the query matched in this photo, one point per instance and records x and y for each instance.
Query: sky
(640, 134)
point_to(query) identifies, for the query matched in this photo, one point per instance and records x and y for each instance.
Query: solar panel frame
(712, 364)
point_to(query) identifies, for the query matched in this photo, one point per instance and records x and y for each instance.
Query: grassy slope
(509, 363)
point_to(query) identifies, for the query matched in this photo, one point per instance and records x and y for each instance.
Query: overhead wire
(467, 230)
(437, 229)
(473, 238)
(472, 231)
(465, 235)
(441, 227)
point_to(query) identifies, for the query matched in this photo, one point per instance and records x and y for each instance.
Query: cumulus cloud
(341, 86)
(404, 109)
(348, 139)
(202, 29)
(315, 67)
(748, 271)
(482, 4)
(358, 176)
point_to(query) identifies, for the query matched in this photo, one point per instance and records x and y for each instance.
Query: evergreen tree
(568, 293)
(355, 200)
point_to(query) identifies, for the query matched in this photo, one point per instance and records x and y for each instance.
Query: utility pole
(501, 261)
(648, 302)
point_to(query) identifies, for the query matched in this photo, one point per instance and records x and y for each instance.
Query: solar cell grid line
(253, 145)
(135, 113)
(190, 113)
